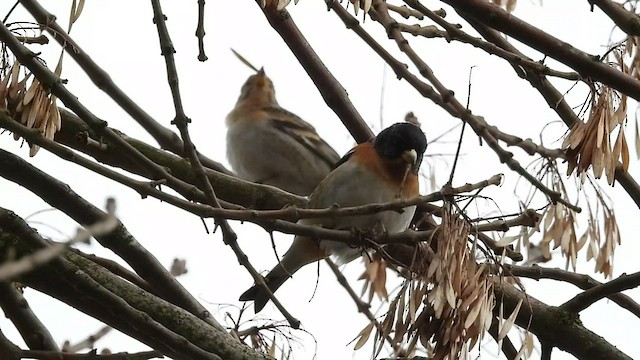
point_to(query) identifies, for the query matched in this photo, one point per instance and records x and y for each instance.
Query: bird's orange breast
(391, 172)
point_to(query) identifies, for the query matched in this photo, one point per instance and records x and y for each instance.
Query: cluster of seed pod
(32, 106)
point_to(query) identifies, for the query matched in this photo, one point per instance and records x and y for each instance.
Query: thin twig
(362, 306)
(585, 64)
(40, 39)
(447, 100)
(88, 342)
(181, 121)
(200, 32)
(166, 138)
(554, 99)
(455, 33)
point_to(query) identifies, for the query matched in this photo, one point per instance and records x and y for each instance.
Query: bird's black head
(402, 141)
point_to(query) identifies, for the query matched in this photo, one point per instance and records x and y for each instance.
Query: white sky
(121, 38)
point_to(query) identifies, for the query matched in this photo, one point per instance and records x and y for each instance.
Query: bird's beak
(411, 158)
(260, 79)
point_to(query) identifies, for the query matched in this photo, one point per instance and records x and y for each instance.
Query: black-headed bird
(378, 171)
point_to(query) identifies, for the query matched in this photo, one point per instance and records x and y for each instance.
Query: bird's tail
(259, 294)
(303, 251)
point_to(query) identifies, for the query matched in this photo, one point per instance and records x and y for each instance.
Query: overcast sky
(120, 36)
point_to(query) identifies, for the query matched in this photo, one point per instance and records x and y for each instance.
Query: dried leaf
(271, 352)
(473, 314)
(366, 6)
(506, 240)
(637, 140)
(625, 153)
(78, 10)
(33, 150)
(31, 93)
(363, 336)
(506, 326)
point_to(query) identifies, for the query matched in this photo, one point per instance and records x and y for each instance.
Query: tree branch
(90, 288)
(77, 135)
(554, 99)
(200, 32)
(447, 100)
(51, 81)
(586, 65)
(16, 308)
(590, 296)
(626, 20)
(454, 33)
(166, 138)
(554, 325)
(582, 281)
(121, 242)
(332, 92)
(229, 237)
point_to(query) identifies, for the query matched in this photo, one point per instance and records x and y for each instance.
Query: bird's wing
(345, 158)
(302, 132)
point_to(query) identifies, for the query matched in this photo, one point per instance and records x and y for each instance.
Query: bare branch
(40, 39)
(88, 342)
(447, 100)
(551, 325)
(598, 292)
(90, 288)
(79, 288)
(228, 235)
(627, 21)
(60, 196)
(200, 32)
(332, 92)
(16, 308)
(585, 64)
(165, 137)
(406, 12)
(10, 269)
(454, 33)
(9, 351)
(582, 281)
(51, 81)
(554, 99)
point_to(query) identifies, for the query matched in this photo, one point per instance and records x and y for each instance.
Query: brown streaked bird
(270, 145)
(378, 171)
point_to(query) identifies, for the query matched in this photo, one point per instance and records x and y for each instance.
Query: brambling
(378, 171)
(270, 145)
